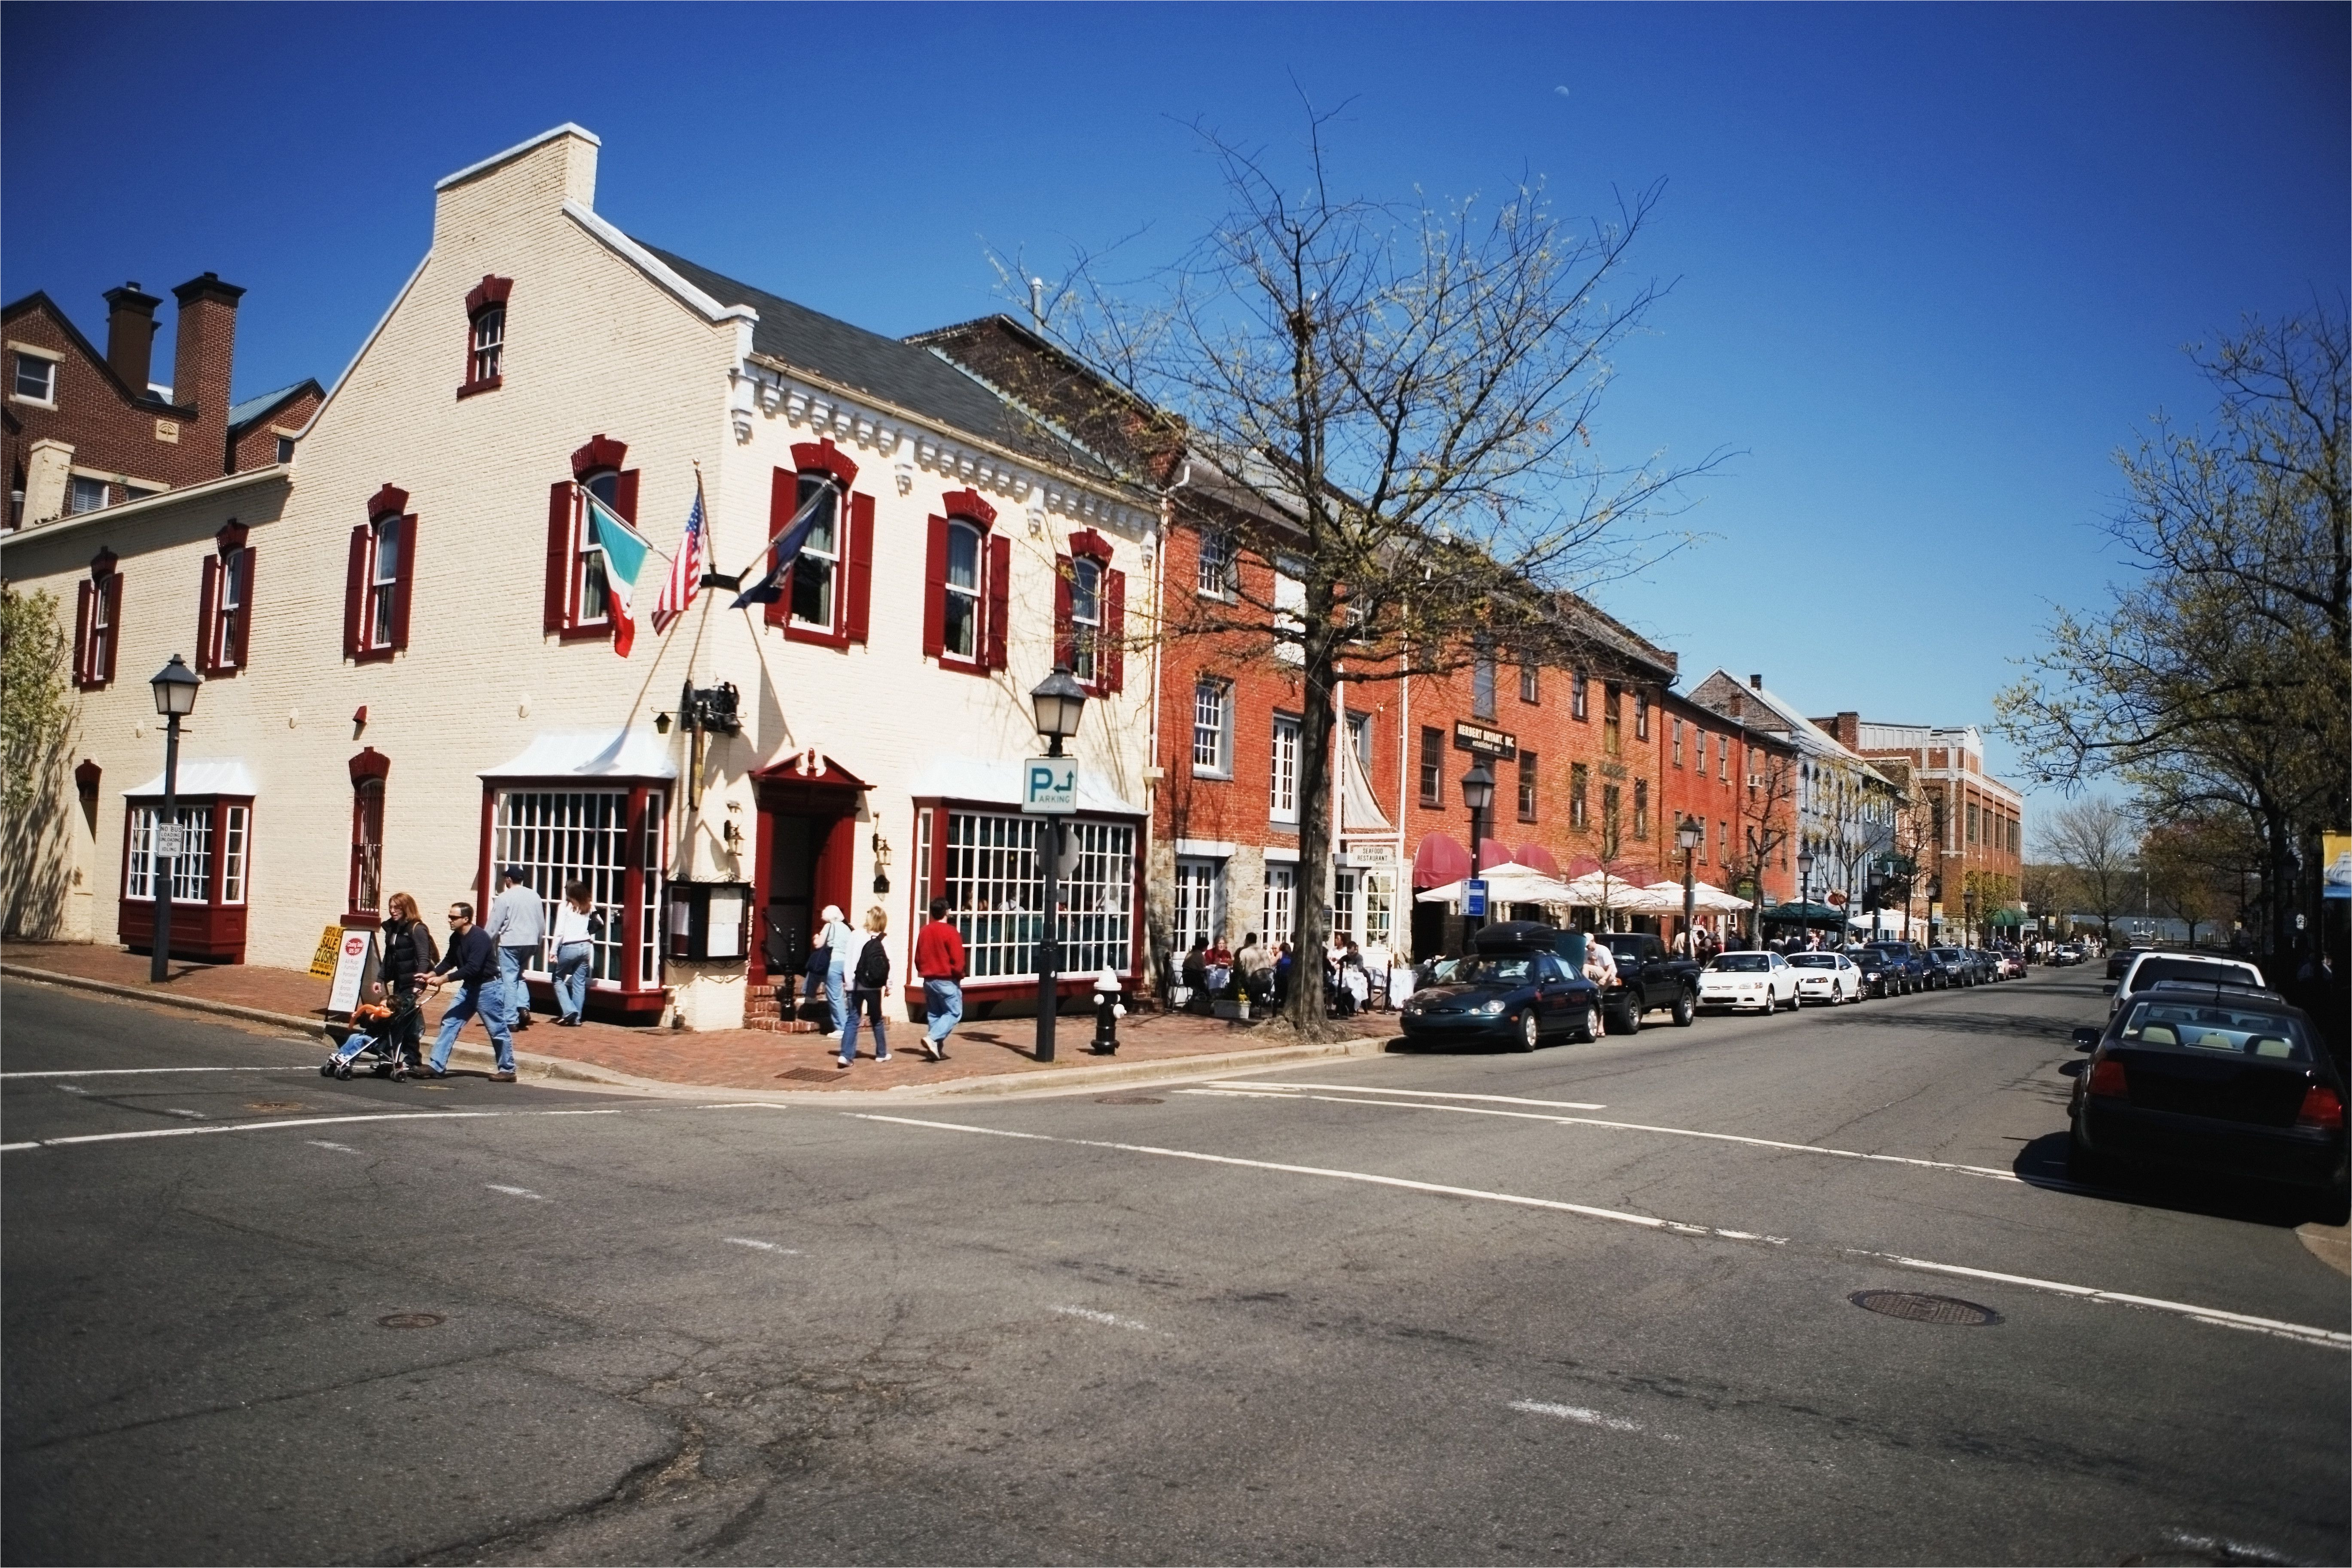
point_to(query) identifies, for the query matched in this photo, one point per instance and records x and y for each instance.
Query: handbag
(820, 963)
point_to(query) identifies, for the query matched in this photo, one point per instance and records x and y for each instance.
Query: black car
(1514, 989)
(1881, 976)
(2218, 1079)
(1949, 967)
(1911, 961)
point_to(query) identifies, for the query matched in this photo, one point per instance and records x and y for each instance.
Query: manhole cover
(1127, 1100)
(411, 1320)
(274, 1106)
(1919, 1309)
(810, 1075)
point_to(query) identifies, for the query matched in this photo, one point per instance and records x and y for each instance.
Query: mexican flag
(624, 557)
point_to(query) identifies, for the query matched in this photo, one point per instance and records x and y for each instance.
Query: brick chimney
(1756, 681)
(131, 333)
(208, 343)
(1848, 731)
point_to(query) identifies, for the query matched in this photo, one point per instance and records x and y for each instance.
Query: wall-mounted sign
(1487, 743)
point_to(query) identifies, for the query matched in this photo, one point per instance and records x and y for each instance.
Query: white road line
(1411, 1093)
(614, 1110)
(1108, 1321)
(1575, 1413)
(68, 1089)
(194, 1131)
(762, 1245)
(5, 1148)
(338, 1148)
(2303, 1333)
(745, 1105)
(515, 1191)
(191, 1115)
(124, 1072)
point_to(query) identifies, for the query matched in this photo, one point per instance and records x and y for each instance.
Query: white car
(1830, 977)
(2146, 969)
(1737, 979)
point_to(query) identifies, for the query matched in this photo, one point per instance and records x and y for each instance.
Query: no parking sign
(355, 967)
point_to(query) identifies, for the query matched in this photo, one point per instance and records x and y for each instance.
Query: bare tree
(1393, 404)
(2097, 842)
(1766, 814)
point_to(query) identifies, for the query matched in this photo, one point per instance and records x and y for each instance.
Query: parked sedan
(1911, 963)
(1520, 999)
(1758, 980)
(2149, 969)
(1881, 976)
(2211, 1078)
(1949, 967)
(1830, 977)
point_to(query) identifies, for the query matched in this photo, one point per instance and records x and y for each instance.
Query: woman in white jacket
(842, 937)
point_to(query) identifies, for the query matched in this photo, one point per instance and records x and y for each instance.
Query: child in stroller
(382, 1025)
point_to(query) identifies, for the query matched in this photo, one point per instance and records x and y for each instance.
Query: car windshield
(1626, 944)
(1948, 955)
(1813, 959)
(2223, 1030)
(2152, 970)
(1740, 962)
(1516, 969)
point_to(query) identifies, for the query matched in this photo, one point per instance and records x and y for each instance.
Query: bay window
(989, 874)
(615, 840)
(209, 875)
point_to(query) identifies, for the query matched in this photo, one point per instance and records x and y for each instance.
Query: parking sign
(1049, 786)
(1473, 898)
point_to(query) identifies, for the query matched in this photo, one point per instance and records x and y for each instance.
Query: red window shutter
(207, 607)
(113, 592)
(935, 591)
(1066, 630)
(555, 614)
(860, 586)
(624, 495)
(1000, 593)
(245, 620)
(407, 583)
(1112, 656)
(81, 634)
(355, 591)
(783, 496)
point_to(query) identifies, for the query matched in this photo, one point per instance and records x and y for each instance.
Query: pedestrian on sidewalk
(473, 960)
(408, 954)
(576, 928)
(834, 954)
(869, 979)
(517, 925)
(939, 959)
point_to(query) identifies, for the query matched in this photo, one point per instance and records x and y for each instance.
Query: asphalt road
(1589, 1305)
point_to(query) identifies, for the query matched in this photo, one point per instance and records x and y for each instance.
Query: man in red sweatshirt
(939, 959)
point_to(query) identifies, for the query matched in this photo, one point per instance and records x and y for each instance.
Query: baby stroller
(379, 1027)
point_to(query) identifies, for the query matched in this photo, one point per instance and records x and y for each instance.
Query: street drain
(411, 1320)
(1127, 1100)
(810, 1075)
(1914, 1308)
(275, 1106)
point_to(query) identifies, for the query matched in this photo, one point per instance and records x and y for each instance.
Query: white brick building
(410, 671)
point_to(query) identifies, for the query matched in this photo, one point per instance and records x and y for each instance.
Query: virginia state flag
(624, 557)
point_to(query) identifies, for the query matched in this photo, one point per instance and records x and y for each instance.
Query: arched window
(486, 336)
(366, 892)
(381, 582)
(225, 600)
(98, 623)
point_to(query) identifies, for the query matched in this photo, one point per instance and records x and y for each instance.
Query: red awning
(1536, 857)
(1582, 865)
(1438, 861)
(1493, 852)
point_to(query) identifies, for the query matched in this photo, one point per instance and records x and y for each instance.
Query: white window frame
(102, 628)
(1086, 619)
(1280, 911)
(590, 582)
(556, 834)
(1198, 908)
(1290, 609)
(381, 623)
(973, 598)
(47, 397)
(990, 877)
(192, 868)
(1282, 782)
(1217, 573)
(487, 358)
(226, 608)
(829, 555)
(1220, 692)
(74, 494)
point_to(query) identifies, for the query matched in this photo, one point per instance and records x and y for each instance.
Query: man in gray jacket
(517, 921)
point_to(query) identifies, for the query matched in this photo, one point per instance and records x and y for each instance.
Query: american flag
(685, 569)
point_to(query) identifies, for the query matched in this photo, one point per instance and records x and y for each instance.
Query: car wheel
(1625, 1020)
(1529, 1033)
(2086, 1165)
(1685, 1008)
(1589, 1029)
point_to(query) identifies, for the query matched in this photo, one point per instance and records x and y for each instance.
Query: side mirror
(2086, 1039)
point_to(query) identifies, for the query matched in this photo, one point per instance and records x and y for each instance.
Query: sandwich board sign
(355, 967)
(330, 944)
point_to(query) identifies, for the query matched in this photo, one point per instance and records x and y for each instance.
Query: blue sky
(1932, 265)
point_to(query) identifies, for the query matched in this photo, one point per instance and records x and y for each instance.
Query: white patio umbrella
(1599, 888)
(1508, 883)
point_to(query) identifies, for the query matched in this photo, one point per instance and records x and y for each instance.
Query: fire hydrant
(1109, 1011)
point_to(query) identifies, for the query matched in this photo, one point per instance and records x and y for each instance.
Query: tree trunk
(1311, 898)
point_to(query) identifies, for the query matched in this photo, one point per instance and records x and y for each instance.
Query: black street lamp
(175, 687)
(1057, 702)
(1478, 795)
(1688, 831)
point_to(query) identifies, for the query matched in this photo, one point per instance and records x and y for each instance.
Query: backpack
(873, 966)
(420, 938)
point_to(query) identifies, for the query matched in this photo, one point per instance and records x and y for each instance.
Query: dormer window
(486, 335)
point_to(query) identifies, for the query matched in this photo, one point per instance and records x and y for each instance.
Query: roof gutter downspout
(1158, 624)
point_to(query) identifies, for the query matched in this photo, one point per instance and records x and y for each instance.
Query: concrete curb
(562, 1072)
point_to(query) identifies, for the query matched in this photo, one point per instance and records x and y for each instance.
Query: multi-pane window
(367, 846)
(1580, 783)
(1641, 809)
(1282, 793)
(36, 378)
(1086, 618)
(1722, 757)
(1343, 906)
(1678, 743)
(1433, 766)
(1213, 726)
(489, 343)
(819, 563)
(1527, 690)
(1527, 786)
(1482, 687)
(1218, 573)
(995, 893)
(1359, 737)
(1200, 902)
(98, 661)
(228, 611)
(1380, 908)
(591, 589)
(1579, 696)
(383, 583)
(1290, 610)
(1723, 841)
(1609, 818)
(560, 836)
(1972, 822)
(86, 494)
(1281, 900)
(192, 868)
(1641, 716)
(1612, 708)
(960, 622)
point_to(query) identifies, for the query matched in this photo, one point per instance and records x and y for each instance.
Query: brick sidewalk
(721, 1059)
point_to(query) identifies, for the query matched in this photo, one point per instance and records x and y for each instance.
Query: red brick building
(80, 430)
(1738, 781)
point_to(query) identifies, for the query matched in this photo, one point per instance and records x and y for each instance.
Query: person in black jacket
(473, 960)
(408, 955)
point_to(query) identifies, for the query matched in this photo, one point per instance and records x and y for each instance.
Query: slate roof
(900, 374)
(242, 414)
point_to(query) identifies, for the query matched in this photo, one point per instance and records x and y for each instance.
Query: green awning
(2007, 918)
(1803, 915)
